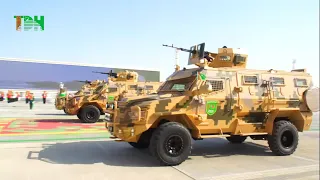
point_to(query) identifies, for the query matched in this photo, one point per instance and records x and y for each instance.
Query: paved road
(104, 159)
(101, 158)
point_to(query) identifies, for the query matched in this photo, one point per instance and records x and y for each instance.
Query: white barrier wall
(51, 94)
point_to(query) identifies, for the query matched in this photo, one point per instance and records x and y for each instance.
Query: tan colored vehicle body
(89, 107)
(60, 101)
(220, 98)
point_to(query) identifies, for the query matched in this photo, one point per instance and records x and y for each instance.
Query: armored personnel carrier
(62, 96)
(219, 98)
(103, 99)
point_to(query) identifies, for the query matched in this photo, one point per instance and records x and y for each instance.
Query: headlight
(134, 115)
(110, 105)
(108, 117)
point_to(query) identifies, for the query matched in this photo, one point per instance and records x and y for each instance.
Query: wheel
(79, 117)
(171, 143)
(236, 139)
(90, 114)
(284, 138)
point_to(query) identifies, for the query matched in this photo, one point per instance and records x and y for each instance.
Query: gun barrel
(100, 72)
(85, 81)
(181, 49)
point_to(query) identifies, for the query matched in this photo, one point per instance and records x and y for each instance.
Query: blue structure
(37, 75)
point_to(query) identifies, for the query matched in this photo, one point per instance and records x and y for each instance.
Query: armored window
(300, 82)
(99, 89)
(277, 80)
(149, 87)
(178, 87)
(216, 85)
(239, 59)
(111, 90)
(225, 58)
(133, 87)
(250, 80)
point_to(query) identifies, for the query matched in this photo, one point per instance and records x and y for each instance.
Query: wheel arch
(92, 104)
(179, 118)
(301, 121)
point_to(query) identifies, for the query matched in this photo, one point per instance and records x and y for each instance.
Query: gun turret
(226, 57)
(86, 81)
(108, 73)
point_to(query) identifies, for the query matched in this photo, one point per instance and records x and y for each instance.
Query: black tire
(163, 138)
(90, 114)
(284, 139)
(236, 139)
(79, 117)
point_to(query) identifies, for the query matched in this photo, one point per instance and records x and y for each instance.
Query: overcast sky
(127, 33)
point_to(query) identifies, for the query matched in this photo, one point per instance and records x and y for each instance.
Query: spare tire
(311, 97)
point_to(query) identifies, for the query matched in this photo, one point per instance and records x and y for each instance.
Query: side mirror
(208, 87)
(204, 89)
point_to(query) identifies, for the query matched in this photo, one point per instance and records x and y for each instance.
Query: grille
(216, 85)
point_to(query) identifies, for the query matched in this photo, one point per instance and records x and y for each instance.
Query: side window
(250, 79)
(277, 80)
(217, 85)
(149, 87)
(112, 89)
(133, 87)
(301, 82)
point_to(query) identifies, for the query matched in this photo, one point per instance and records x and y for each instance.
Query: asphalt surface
(102, 158)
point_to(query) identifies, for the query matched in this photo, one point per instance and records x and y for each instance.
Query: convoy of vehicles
(219, 98)
(103, 98)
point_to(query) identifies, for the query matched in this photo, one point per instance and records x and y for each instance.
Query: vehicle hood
(159, 103)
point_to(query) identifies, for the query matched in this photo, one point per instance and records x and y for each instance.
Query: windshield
(112, 89)
(178, 84)
(98, 89)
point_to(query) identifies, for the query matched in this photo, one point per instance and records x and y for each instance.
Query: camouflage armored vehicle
(62, 96)
(104, 97)
(219, 98)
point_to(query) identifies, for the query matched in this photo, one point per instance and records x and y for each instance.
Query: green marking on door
(110, 98)
(211, 107)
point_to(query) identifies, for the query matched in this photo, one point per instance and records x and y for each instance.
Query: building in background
(23, 74)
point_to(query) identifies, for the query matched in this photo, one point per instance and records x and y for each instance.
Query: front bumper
(125, 132)
(72, 110)
(60, 106)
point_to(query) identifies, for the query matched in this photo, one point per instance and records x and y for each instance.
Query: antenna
(177, 59)
(293, 63)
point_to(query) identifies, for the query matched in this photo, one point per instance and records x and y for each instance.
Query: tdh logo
(37, 24)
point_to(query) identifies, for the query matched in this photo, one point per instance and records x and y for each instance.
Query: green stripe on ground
(43, 140)
(61, 137)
